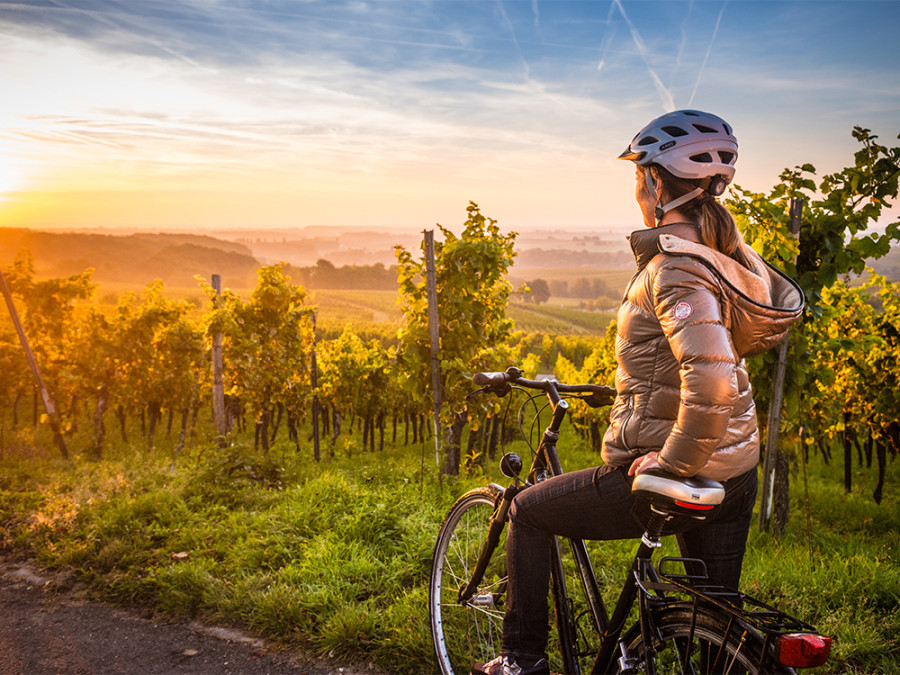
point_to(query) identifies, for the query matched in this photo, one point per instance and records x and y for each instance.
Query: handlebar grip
(491, 380)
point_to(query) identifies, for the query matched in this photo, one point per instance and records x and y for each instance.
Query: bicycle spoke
(696, 642)
(469, 632)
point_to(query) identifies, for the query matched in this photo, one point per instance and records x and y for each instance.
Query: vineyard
(327, 544)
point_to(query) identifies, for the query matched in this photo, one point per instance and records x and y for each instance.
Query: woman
(700, 302)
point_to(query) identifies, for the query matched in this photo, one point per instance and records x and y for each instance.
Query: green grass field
(333, 558)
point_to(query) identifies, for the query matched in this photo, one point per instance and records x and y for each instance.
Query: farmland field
(557, 319)
(379, 309)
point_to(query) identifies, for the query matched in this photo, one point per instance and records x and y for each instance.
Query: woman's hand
(644, 463)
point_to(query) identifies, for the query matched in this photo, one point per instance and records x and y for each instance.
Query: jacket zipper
(626, 421)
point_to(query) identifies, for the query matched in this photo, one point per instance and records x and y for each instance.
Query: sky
(209, 115)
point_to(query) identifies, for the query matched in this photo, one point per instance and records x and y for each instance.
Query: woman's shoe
(506, 664)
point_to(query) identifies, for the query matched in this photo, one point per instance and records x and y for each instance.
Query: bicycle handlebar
(596, 395)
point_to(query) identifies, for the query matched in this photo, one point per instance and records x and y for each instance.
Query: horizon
(387, 115)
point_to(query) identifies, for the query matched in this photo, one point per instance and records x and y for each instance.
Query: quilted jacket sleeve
(687, 301)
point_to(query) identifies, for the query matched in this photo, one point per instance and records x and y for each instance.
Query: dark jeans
(596, 504)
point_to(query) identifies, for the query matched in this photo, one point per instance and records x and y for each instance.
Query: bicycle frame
(652, 589)
(546, 464)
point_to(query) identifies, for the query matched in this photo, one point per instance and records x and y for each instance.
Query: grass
(333, 558)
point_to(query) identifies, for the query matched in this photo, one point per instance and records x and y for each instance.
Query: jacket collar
(763, 286)
(645, 243)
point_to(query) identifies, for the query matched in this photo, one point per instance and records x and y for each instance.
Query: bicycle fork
(498, 522)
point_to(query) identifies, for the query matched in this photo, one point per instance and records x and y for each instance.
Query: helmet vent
(726, 157)
(647, 140)
(703, 129)
(703, 157)
(675, 132)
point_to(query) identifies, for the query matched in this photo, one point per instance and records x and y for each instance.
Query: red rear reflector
(696, 507)
(802, 650)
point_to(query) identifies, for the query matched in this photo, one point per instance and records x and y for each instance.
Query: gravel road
(47, 632)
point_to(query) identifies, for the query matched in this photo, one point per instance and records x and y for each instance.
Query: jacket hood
(763, 302)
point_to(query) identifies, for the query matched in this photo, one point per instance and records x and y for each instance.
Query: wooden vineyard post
(775, 463)
(431, 285)
(35, 371)
(314, 381)
(218, 389)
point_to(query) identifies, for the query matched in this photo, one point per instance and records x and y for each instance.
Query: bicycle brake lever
(599, 399)
(499, 391)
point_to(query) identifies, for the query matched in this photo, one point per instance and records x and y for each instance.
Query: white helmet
(689, 143)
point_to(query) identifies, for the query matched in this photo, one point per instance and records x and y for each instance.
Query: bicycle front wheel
(696, 643)
(464, 633)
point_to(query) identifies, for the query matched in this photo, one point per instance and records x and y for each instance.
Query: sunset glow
(195, 115)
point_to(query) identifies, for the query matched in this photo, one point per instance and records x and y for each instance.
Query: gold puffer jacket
(689, 318)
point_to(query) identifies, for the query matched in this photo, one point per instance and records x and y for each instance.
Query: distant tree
(540, 291)
(324, 273)
(559, 288)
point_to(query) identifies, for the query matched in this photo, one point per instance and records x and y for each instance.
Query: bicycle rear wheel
(470, 632)
(701, 647)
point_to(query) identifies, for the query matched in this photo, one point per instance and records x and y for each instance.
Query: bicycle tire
(741, 656)
(464, 634)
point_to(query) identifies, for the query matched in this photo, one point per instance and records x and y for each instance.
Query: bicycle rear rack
(763, 617)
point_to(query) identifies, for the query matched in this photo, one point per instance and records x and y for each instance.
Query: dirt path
(48, 633)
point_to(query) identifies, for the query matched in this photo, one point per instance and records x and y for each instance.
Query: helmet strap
(651, 188)
(663, 209)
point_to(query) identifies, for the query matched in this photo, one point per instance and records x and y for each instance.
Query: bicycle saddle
(693, 496)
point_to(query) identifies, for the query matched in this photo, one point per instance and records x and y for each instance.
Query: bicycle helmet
(689, 143)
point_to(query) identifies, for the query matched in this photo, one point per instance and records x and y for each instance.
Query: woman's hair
(717, 227)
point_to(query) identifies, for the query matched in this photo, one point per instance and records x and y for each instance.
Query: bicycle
(684, 624)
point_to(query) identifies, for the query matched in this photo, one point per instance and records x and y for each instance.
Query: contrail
(708, 52)
(608, 38)
(512, 31)
(134, 33)
(667, 100)
(684, 36)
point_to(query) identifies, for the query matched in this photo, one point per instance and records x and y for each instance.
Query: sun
(10, 177)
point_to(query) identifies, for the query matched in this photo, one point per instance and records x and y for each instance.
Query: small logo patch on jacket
(682, 310)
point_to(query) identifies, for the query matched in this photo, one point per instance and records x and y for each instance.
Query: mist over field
(140, 257)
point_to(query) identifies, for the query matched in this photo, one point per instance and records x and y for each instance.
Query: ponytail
(719, 231)
(717, 227)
